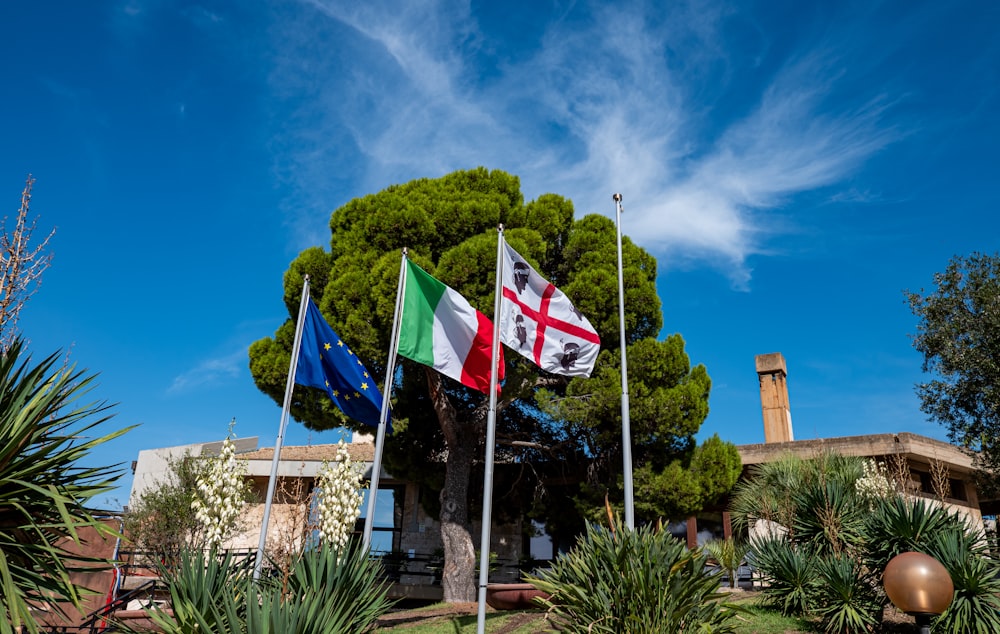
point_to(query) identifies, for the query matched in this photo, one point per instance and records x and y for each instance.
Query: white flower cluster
(874, 484)
(220, 495)
(339, 496)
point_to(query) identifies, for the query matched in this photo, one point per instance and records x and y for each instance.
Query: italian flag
(440, 328)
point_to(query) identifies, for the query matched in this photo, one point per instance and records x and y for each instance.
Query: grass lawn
(443, 618)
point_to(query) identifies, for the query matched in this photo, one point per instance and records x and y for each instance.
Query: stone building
(408, 539)
(922, 457)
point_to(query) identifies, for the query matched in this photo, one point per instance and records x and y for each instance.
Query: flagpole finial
(616, 197)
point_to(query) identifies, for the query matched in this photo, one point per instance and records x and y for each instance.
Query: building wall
(917, 452)
(153, 465)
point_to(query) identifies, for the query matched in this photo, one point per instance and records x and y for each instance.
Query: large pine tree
(568, 431)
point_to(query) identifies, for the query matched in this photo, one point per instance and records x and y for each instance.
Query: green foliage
(849, 598)
(633, 582)
(730, 554)
(776, 491)
(45, 433)
(956, 335)
(328, 592)
(790, 572)
(975, 607)
(161, 520)
(830, 563)
(832, 519)
(668, 403)
(818, 520)
(568, 433)
(208, 592)
(898, 525)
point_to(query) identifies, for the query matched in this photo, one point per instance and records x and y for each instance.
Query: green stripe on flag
(416, 332)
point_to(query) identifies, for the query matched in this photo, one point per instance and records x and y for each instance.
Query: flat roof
(915, 447)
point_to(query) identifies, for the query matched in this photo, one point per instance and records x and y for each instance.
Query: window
(388, 520)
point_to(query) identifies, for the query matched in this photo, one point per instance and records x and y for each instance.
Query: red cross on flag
(538, 321)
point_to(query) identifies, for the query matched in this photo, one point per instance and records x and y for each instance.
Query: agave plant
(44, 490)
(633, 582)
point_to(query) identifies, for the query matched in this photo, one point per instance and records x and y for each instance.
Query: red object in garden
(513, 596)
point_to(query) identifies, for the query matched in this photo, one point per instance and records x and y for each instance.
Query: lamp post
(918, 585)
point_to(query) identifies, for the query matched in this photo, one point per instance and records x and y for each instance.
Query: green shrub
(46, 435)
(829, 561)
(789, 571)
(332, 592)
(975, 607)
(633, 582)
(832, 519)
(849, 599)
(328, 592)
(898, 525)
(729, 553)
(207, 593)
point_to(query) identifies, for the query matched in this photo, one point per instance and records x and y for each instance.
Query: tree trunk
(458, 577)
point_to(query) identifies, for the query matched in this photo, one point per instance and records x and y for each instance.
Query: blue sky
(794, 166)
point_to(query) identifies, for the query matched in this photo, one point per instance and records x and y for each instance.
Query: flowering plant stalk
(874, 485)
(339, 495)
(222, 491)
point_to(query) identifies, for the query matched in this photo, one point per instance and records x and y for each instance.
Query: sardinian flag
(538, 321)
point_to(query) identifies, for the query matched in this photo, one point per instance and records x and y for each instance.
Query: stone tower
(772, 374)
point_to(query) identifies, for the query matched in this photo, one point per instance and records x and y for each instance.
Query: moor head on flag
(540, 322)
(327, 362)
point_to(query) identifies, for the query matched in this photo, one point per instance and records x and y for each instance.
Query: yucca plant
(789, 571)
(897, 525)
(773, 490)
(831, 519)
(639, 581)
(335, 590)
(849, 597)
(329, 591)
(975, 606)
(208, 593)
(44, 490)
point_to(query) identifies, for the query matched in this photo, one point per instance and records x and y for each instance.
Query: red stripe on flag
(544, 318)
(476, 371)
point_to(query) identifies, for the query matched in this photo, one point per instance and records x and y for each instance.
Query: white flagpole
(390, 370)
(289, 385)
(491, 432)
(626, 428)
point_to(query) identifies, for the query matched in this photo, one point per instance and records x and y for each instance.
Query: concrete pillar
(772, 375)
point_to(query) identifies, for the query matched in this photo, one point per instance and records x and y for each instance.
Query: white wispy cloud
(619, 99)
(211, 372)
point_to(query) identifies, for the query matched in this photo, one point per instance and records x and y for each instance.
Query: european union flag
(326, 362)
